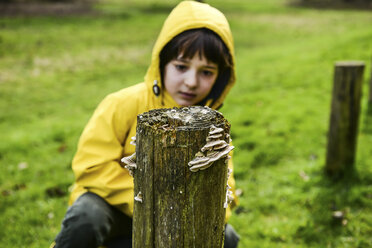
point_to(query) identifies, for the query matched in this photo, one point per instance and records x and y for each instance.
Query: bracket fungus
(138, 197)
(133, 140)
(213, 150)
(229, 194)
(130, 161)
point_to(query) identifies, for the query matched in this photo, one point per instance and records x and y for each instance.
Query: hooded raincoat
(106, 138)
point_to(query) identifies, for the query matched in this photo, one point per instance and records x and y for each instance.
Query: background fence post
(370, 88)
(345, 109)
(175, 207)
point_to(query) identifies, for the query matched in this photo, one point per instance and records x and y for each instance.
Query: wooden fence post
(370, 88)
(345, 109)
(175, 207)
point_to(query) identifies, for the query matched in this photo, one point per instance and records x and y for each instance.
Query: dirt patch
(46, 9)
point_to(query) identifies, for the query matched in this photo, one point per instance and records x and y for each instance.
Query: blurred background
(58, 59)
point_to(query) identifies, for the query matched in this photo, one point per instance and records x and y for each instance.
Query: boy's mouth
(187, 95)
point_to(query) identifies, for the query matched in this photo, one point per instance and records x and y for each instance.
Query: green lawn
(55, 70)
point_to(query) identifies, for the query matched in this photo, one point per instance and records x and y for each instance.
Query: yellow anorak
(106, 138)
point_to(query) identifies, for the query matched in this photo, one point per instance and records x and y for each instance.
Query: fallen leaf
(304, 176)
(238, 192)
(50, 215)
(62, 148)
(22, 166)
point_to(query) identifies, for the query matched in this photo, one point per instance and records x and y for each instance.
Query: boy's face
(189, 81)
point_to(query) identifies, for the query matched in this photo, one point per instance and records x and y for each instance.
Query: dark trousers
(91, 222)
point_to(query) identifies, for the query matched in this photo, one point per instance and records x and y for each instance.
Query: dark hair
(206, 43)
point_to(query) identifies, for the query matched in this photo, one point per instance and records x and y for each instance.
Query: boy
(192, 64)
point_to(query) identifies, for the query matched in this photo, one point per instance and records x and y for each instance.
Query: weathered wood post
(370, 88)
(345, 109)
(174, 206)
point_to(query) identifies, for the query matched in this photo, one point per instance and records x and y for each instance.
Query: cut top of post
(349, 63)
(194, 117)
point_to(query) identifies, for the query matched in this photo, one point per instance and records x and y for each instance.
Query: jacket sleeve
(101, 146)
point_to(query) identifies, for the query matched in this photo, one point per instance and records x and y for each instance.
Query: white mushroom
(221, 154)
(130, 163)
(229, 197)
(215, 149)
(229, 137)
(221, 146)
(201, 166)
(133, 140)
(214, 136)
(198, 160)
(215, 130)
(138, 197)
(211, 144)
(212, 153)
(202, 163)
(229, 194)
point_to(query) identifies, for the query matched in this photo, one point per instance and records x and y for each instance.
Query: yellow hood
(178, 21)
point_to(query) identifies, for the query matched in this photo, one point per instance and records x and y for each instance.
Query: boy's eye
(181, 67)
(207, 73)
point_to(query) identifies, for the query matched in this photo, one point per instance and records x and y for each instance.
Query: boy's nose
(191, 79)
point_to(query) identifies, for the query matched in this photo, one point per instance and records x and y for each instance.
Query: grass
(55, 70)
